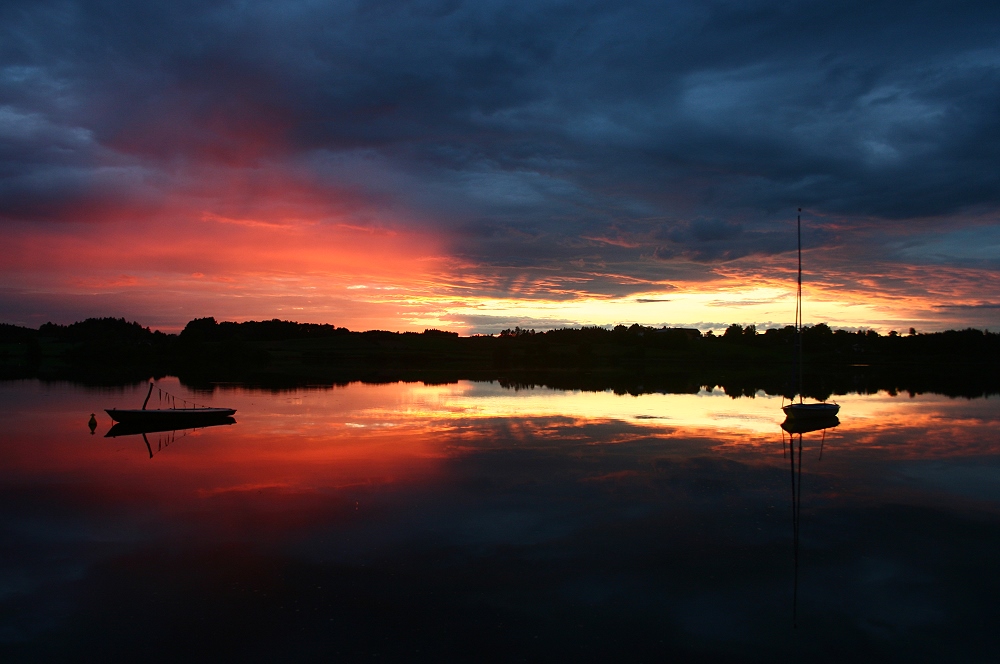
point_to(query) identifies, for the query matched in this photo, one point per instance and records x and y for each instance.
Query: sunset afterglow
(473, 167)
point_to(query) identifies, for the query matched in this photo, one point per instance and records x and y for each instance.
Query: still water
(469, 522)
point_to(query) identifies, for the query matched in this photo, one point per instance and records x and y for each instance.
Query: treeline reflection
(627, 360)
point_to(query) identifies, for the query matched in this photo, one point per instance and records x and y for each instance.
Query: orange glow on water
(332, 439)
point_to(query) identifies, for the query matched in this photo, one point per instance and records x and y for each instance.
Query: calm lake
(469, 522)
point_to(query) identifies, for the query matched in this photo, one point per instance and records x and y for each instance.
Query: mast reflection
(135, 429)
(799, 428)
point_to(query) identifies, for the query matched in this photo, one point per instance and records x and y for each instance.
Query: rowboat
(166, 417)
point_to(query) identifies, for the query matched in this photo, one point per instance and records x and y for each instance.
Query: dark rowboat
(167, 417)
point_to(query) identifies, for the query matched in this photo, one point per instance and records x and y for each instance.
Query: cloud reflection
(578, 516)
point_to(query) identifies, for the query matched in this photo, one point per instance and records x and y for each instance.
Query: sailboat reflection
(172, 430)
(798, 428)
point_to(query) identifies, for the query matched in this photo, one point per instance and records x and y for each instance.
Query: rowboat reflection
(179, 426)
(136, 428)
(797, 427)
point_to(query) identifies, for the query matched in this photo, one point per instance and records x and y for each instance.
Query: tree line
(622, 357)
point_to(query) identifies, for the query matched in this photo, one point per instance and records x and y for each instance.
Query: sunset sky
(474, 166)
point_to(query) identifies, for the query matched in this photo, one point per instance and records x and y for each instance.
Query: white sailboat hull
(810, 411)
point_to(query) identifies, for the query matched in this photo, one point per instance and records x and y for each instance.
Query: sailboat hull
(810, 411)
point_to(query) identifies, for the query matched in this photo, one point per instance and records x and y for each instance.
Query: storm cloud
(526, 134)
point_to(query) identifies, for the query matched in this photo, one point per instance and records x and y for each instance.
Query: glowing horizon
(371, 279)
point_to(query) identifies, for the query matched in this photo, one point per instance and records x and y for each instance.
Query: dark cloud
(711, 240)
(988, 305)
(552, 120)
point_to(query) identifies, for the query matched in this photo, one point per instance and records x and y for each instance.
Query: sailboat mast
(798, 302)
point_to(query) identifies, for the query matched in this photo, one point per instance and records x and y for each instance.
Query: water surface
(472, 522)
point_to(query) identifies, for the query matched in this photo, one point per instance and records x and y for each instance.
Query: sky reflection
(653, 525)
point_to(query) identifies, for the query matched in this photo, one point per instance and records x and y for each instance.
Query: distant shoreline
(633, 359)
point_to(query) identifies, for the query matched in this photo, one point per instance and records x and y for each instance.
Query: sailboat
(802, 410)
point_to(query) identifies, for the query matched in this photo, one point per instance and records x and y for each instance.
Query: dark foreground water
(471, 523)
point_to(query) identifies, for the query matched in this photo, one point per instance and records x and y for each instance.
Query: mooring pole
(148, 394)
